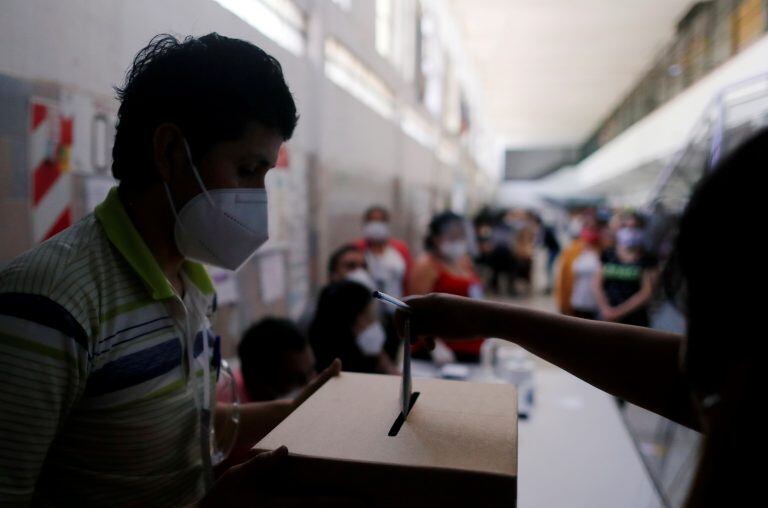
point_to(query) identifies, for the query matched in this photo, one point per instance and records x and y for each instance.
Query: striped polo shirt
(97, 404)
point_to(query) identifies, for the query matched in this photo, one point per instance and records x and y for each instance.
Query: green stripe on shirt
(136, 445)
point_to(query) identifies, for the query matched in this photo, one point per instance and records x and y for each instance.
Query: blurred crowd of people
(346, 322)
(508, 242)
(609, 270)
(606, 270)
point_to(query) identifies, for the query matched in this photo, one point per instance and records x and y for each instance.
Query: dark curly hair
(261, 346)
(376, 208)
(211, 87)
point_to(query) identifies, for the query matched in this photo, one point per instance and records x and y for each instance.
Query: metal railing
(669, 451)
(711, 33)
(734, 114)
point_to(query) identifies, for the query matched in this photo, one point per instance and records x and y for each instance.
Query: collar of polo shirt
(123, 235)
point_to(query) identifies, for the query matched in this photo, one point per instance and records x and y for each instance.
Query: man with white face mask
(109, 321)
(388, 259)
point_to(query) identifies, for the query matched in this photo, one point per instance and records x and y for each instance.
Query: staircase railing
(734, 114)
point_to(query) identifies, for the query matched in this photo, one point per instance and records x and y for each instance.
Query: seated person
(275, 361)
(389, 260)
(346, 261)
(347, 326)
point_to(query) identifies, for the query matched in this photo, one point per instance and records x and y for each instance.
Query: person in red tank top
(446, 267)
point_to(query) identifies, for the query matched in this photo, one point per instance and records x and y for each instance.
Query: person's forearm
(635, 302)
(641, 298)
(600, 297)
(638, 364)
(257, 419)
(602, 302)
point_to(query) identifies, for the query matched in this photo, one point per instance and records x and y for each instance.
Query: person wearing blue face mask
(109, 396)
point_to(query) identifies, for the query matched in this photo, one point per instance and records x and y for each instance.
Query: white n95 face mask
(361, 276)
(221, 227)
(454, 250)
(378, 231)
(371, 340)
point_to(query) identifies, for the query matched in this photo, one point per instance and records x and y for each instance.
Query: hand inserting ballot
(440, 315)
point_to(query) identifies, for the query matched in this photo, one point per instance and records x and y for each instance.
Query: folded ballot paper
(458, 446)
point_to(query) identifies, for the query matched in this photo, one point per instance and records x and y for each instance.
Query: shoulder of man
(50, 302)
(58, 278)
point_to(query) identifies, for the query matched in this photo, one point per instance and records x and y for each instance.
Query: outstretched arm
(637, 364)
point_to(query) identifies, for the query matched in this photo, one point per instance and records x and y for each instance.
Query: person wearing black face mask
(710, 379)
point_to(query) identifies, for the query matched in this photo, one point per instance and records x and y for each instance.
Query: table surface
(574, 450)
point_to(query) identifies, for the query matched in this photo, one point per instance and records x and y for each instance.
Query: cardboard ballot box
(458, 446)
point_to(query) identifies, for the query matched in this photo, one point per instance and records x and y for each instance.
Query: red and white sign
(50, 140)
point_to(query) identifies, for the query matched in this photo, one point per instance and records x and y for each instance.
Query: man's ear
(168, 151)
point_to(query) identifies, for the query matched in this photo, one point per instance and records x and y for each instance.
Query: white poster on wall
(94, 131)
(272, 277)
(96, 190)
(225, 282)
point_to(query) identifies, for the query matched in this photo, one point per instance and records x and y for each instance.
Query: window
(417, 127)
(395, 34)
(384, 27)
(280, 20)
(431, 66)
(348, 72)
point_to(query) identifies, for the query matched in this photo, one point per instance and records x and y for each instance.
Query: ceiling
(551, 70)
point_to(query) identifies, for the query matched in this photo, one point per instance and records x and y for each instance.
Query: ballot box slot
(401, 417)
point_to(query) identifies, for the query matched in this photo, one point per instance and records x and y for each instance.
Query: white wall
(343, 156)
